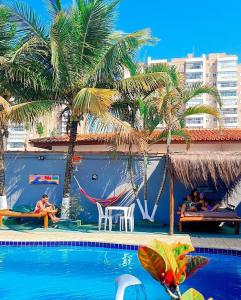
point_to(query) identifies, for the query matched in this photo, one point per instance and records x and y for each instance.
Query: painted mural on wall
(43, 179)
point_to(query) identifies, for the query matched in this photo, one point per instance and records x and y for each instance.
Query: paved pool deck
(137, 238)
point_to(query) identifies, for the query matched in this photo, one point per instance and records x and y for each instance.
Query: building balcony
(231, 125)
(227, 68)
(226, 88)
(230, 105)
(194, 70)
(194, 80)
(227, 77)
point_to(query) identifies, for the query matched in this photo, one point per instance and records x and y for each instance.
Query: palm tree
(12, 110)
(166, 105)
(136, 109)
(19, 114)
(78, 62)
(173, 107)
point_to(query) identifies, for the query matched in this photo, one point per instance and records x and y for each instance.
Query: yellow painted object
(14, 214)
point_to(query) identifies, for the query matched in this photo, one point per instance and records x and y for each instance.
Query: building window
(230, 102)
(228, 84)
(231, 120)
(228, 111)
(17, 128)
(194, 76)
(228, 94)
(14, 145)
(194, 66)
(194, 121)
(227, 74)
(227, 64)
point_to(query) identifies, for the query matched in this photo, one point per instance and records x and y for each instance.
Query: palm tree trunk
(161, 188)
(65, 210)
(146, 216)
(171, 187)
(3, 198)
(166, 171)
(134, 188)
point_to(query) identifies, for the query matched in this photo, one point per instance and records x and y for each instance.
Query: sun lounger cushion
(212, 214)
(23, 209)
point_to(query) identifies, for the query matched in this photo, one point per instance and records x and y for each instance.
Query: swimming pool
(88, 273)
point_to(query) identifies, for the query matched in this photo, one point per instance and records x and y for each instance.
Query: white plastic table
(109, 210)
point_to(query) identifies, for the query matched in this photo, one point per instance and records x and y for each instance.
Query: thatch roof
(216, 168)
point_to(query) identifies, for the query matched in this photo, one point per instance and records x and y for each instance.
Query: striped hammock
(103, 202)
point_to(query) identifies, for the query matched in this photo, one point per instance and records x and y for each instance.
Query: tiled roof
(197, 136)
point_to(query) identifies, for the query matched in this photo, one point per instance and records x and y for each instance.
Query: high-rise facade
(217, 69)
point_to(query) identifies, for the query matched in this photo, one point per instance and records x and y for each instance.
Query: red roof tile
(197, 136)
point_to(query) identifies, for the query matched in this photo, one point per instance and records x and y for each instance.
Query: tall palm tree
(77, 62)
(173, 107)
(168, 106)
(134, 108)
(12, 110)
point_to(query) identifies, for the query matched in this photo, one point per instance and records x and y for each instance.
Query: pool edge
(130, 247)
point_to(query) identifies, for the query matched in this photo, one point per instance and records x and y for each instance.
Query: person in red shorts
(44, 205)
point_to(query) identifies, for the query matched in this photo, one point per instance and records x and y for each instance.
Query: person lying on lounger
(209, 206)
(44, 205)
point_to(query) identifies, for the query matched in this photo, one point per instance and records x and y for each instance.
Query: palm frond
(119, 55)
(180, 133)
(141, 84)
(4, 112)
(199, 89)
(93, 101)
(60, 40)
(117, 132)
(53, 6)
(27, 21)
(175, 77)
(92, 24)
(4, 105)
(7, 31)
(32, 46)
(201, 109)
(30, 111)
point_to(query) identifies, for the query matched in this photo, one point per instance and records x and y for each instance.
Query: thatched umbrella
(221, 169)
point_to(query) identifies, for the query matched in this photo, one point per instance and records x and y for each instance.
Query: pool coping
(129, 247)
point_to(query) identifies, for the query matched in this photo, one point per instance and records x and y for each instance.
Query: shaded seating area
(20, 215)
(216, 216)
(222, 170)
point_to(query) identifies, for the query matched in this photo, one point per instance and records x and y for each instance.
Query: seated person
(188, 205)
(43, 205)
(195, 195)
(209, 206)
(200, 201)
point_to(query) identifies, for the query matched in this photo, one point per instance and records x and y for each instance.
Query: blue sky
(183, 26)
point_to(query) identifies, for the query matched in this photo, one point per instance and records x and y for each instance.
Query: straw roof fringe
(215, 168)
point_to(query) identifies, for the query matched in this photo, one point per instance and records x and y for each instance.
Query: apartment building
(20, 134)
(220, 70)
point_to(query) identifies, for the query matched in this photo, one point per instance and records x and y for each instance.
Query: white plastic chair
(103, 216)
(130, 218)
(123, 282)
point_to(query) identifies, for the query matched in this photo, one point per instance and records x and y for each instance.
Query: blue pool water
(89, 273)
